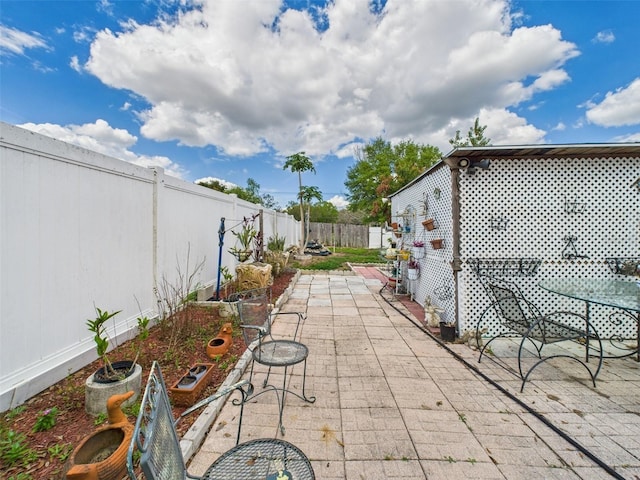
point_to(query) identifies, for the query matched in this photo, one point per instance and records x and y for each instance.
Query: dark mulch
(51, 448)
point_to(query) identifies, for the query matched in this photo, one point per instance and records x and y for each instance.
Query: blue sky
(227, 89)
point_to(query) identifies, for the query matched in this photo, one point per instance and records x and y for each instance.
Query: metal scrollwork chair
(256, 319)
(517, 316)
(156, 439)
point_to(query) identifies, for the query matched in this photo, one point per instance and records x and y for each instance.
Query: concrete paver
(393, 402)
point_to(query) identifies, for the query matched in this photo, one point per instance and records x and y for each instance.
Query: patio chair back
(518, 316)
(155, 436)
(512, 308)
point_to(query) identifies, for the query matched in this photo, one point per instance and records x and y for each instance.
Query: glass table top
(604, 291)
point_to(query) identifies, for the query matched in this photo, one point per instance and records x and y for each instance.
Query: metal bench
(519, 317)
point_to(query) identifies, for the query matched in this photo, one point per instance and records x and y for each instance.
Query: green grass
(339, 259)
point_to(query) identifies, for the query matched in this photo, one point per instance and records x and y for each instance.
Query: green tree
(298, 163)
(251, 193)
(214, 185)
(381, 169)
(323, 212)
(475, 136)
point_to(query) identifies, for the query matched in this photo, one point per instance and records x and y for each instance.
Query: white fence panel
(78, 230)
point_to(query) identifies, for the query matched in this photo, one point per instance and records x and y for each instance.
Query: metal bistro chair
(156, 439)
(255, 320)
(519, 317)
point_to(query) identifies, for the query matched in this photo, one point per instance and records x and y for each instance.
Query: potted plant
(418, 249)
(113, 377)
(448, 331)
(245, 237)
(413, 269)
(110, 372)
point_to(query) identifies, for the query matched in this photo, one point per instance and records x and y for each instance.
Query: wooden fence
(340, 234)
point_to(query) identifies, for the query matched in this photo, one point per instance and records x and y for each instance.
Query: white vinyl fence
(81, 230)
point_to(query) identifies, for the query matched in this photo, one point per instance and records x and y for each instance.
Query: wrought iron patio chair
(256, 319)
(517, 316)
(156, 439)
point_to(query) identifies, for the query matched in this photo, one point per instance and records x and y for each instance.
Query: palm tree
(307, 194)
(298, 163)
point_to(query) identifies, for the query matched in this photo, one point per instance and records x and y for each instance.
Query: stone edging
(193, 439)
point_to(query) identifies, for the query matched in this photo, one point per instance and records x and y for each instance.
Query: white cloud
(339, 202)
(221, 75)
(618, 108)
(102, 138)
(631, 138)
(74, 63)
(605, 36)
(15, 42)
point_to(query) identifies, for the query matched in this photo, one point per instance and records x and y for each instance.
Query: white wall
(80, 229)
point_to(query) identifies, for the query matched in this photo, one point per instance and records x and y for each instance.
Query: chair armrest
(301, 318)
(220, 393)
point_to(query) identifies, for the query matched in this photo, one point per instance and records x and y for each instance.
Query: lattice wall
(431, 198)
(569, 214)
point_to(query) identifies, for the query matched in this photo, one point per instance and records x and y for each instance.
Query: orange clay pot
(220, 344)
(103, 454)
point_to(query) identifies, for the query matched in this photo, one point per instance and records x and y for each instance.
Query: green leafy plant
(14, 449)
(46, 420)
(15, 412)
(60, 451)
(246, 234)
(100, 419)
(276, 243)
(98, 328)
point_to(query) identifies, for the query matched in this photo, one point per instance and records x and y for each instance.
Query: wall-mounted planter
(417, 252)
(413, 273)
(437, 243)
(186, 391)
(429, 224)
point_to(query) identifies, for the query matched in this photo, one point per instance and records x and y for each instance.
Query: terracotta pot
(188, 389)
(436, 243)
(103, 454)
(220, 344)
(429, 224)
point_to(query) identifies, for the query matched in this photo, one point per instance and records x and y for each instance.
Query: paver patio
(394, 403)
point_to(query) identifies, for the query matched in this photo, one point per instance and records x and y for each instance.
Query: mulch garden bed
(42, 455)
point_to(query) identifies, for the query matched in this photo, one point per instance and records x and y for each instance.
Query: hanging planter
(417, 252)
(429, 224)
(413, 273)
(436, 243)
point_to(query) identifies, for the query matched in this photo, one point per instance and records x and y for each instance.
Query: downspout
(456, 262)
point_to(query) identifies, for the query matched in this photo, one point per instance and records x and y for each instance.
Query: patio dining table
(620, 294)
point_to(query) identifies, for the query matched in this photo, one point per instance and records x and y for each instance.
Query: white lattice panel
(436, 278)
(570, 214)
